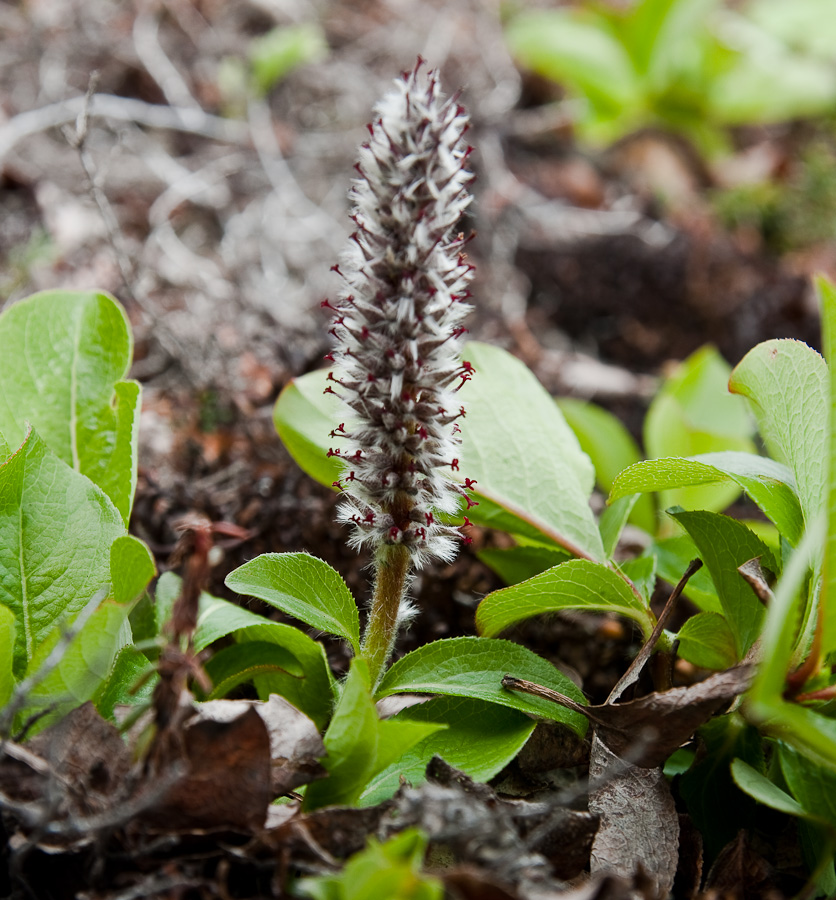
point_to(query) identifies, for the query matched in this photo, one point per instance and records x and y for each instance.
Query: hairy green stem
(392, 570)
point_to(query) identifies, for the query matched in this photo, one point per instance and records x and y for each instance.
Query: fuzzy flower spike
(397, 327)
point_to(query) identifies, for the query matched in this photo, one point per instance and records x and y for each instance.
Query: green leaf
(612, 522)
(86, 664)
(811, 784)
(576, 584)
(474, 667)
(56, 529)
(770, 484)
(304, 415)
(578, 51)
(611, 448)
(787, 384)
(672, 557)
(123, 688)
(692, 414)
(719, 809)
(724, 544)
(131, 568)
(516, 564)
(480, 739)
(7, 646)
(5, 449)
(524, 457)
(642, 572)
(304, 587)
(771, 86)
(359, 744)
(758, 786)
(313, 694)
(240, 663)
(707, 641)
(827, 295)
(281, 50)
(64, 355)
(391, 870)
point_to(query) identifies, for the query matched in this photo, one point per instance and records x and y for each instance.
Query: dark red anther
(330, 390)
(369, 517)
(336, 268)
(340, 429)
(358, 454)
(329, 357)
(350, 477)
(471, 503)
(327, 304)
(394, 531)
(467, 523)
(458, 332)
(429, 518)
(370, 128)
(468, 482)
(456, 429)
(331, 452)
(422, 433)
(466, 539)
(455, 465)
(468, 367)
(421, 533)
(359, 170)
(364, 333)
(337, 484)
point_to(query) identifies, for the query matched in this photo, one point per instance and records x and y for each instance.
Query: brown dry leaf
(227, 782)
(741, 872)
(295, 743)
(639, 827)
(82, 753)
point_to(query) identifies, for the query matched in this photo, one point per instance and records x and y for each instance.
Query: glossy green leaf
(304, 587)
(787, 384)
(692, 414)
(5, 449)
(707, 641)
(304, 416)
(56, 530)
(7, 646)
(474, 667)
(611, 448)
(758, 786)
(313, 694)
(480, 739)
(359, 744)
(131, 568)
(770, 484)
(516, 564)
(576, 584)
(63, 358)
(724, 544)
(524, 457)
(241, 663)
